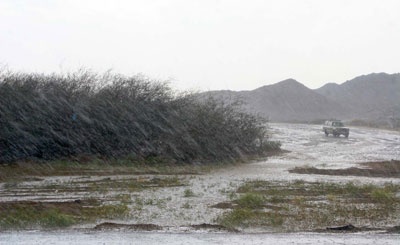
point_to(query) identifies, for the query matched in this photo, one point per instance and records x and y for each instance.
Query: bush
(54, 116)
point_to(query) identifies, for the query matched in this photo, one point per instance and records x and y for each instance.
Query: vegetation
(251, 201)
(25, 214)
(374, 169)
(301, 206)
(110, 115)
(188, 193)
(109, 198)
(24, 170)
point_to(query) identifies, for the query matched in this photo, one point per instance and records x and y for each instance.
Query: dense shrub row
(53, 116)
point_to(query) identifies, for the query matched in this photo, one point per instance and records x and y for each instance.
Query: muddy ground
(182, 203)
(380, 169)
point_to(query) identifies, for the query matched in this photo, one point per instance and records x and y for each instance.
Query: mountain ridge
(372, 97)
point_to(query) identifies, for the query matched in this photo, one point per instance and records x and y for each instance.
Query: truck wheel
(346, 135)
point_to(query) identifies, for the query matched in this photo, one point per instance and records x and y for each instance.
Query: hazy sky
(204, 44)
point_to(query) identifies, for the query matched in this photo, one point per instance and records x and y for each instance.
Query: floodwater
(307, 146)
(150, 238)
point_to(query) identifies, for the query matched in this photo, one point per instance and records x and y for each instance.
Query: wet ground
(177, 208)
(150, 238)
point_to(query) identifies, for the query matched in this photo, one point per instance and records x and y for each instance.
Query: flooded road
(307, 146)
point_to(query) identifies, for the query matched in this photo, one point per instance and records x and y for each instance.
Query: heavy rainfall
(89, 156)
(104, 153)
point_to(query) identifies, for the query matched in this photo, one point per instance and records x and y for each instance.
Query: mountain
(370, 97)
(373, 96)
(290, 100)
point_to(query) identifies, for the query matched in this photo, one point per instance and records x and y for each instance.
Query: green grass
(238, 218)
(251, 200)
(106, 211)
(54, 218)
(383, 196)
(27, 215)
(300, 206)
(188, 193)
(244, 218)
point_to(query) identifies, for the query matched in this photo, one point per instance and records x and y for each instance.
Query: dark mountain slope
(288, 100)
(373, 96)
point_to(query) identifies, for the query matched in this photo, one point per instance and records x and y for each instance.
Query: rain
(184, 123)
(131, 155)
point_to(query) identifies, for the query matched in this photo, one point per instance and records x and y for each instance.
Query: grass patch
(383, 196)
(243, 218)
(53, 214)
(105, 212)
(251, 200)
(188, 193)
(22, 171)
(28, 215)
(237, 218)
(301, 206)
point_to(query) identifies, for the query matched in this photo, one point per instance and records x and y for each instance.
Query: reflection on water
(143, 238)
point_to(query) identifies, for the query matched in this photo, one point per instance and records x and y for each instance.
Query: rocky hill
(370, 97)
(373, 97)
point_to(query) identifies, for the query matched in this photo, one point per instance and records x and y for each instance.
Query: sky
(202, 45)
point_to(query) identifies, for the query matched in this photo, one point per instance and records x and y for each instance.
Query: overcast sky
(204, 44)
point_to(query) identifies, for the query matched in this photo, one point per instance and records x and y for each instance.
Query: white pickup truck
(336, 128)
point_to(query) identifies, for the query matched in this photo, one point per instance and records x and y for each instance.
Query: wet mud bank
(353, 229)
(134, 227)
(153, 227)
(380, 169)
(109, 226)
